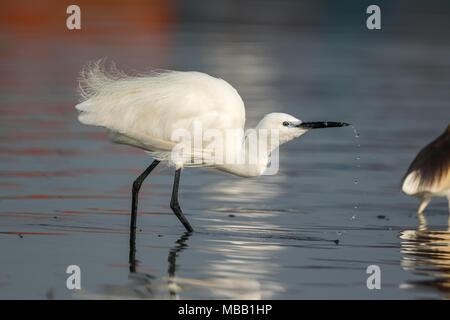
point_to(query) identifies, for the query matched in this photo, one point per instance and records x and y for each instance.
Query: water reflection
(239, 273)
(427, 253)
(173, 253)
(241, 191)
(144, 279)
(143, 284)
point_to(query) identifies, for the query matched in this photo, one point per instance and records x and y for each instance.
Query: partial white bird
(146, 111)
(428, 176)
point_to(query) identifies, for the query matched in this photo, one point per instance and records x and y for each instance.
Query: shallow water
(308, 232)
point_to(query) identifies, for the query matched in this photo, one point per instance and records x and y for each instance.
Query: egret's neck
(253, 152)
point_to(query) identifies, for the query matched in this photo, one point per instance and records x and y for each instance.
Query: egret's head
(289, 127)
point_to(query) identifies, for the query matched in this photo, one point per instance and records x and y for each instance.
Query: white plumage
(146, 111)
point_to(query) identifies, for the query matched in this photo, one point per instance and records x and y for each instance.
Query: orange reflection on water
(114, 212)
(66, 173)
(91, 231)
(42, 196)
(34, 233)
(39, 152)
(139, 16)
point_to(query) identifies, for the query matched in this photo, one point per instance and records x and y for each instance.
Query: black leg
(135, 191)
(175, 205)
(132, 253)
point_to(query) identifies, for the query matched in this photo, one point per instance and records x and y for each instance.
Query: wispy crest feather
(98, 76)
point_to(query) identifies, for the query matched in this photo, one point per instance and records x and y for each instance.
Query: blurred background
(309, 232)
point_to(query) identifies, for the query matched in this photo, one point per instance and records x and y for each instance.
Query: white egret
(428, 176)
(144, 111)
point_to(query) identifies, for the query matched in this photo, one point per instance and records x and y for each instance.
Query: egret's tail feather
(93, 80)
(95, 76)
(112, 99)
(87, 113)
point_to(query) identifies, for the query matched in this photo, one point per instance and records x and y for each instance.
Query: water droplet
(357, 165)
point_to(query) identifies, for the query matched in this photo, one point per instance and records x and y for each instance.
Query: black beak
(321, 124)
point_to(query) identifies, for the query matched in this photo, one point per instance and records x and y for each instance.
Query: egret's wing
(149, 111)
